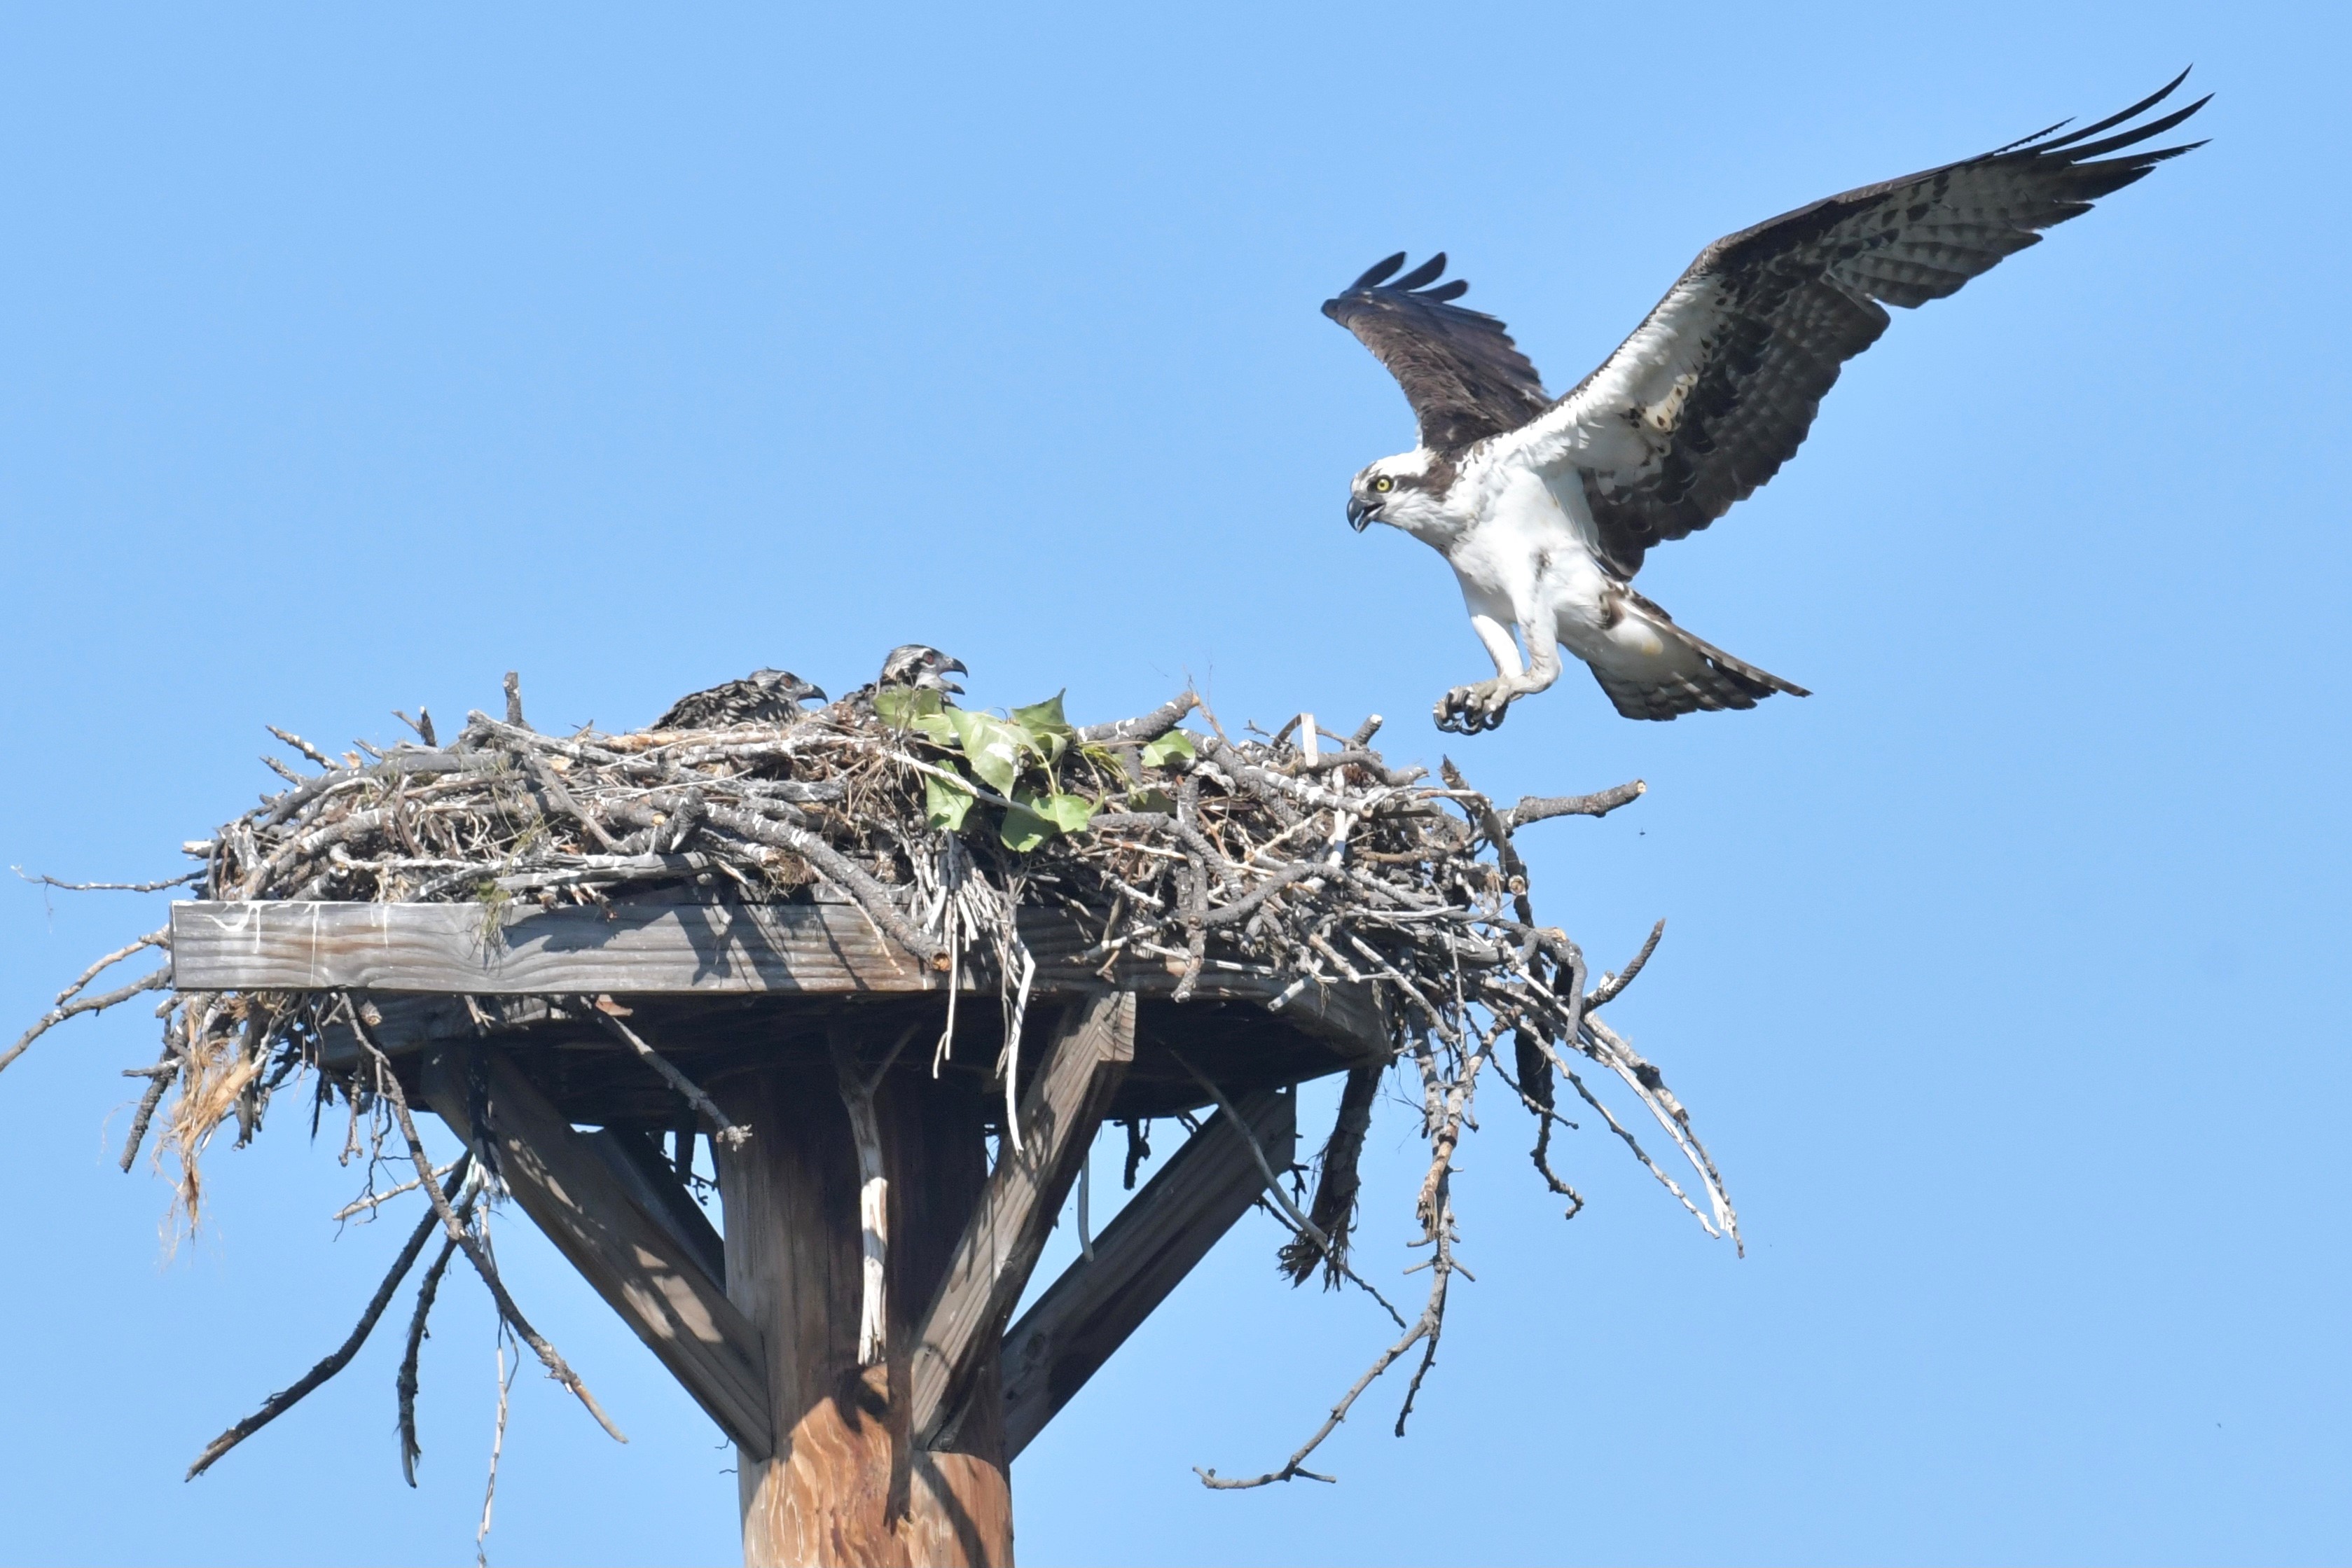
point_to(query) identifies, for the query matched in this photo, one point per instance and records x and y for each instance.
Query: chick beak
(814, 695)
(1360, 512)
(953, 667)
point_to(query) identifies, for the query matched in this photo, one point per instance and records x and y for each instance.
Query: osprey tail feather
(1652, 668)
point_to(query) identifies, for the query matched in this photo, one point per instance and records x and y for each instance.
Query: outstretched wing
(1717, 387)
(1460, 371)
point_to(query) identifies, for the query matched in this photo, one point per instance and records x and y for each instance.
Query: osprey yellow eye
(1384, 484)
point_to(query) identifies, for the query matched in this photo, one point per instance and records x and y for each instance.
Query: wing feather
(1460, 371)
(1718, 386)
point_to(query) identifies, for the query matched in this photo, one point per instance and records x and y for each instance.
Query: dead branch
(46, 881)
(388, 1084)
(1536, 809)
(1337, 1182)
(1150, 726)
(284, 1399)
(404, 1385)
(54, 1015)
(1613, 986)
(609, 1013)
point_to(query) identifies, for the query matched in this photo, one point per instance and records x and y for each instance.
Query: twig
(1336, 1181)
(731, 1132)
(302, 746)
(1536, 809)
(1294, 1469)
(284, 1399)
(1150, 726)
(1610, 985)
(46, 881)
(361, 1205)
(388, 1084)
(404, 1385)
(1257, 1151)
(54, 1015)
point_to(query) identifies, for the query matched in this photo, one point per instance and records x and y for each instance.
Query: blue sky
(355, 357)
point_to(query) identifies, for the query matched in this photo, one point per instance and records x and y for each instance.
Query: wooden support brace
(1075, 1079)
(1144, 1254)
(655, 1188)
(642, 1260)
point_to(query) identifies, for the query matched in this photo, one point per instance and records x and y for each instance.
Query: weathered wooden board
(1073, 1086)
(1139, 1258)
(633, 1260)
(644, 948)
(654, 949)
(659, 1195)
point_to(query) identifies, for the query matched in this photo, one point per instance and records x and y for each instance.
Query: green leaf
(1071, 814)
(1045, 717)
(935, 727)
(1023, 829)
(1175, 744)
(992, 746)
(945, 804)
(1152, 800)
(1049, 733)
(900, 707)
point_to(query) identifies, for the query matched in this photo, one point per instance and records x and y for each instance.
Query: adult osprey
(1545, 507)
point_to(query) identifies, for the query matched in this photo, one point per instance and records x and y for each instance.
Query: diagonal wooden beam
(638, 1262)
(656, 1190)
(1139, 1258)
(1075, 1079)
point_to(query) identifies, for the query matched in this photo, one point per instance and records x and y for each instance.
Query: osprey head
(1389, 489)
(787, 690)
(925, 669)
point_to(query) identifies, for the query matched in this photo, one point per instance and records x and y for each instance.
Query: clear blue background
(351, 356)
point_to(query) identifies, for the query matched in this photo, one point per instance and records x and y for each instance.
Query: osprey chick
(763, 696)
(924, 669)
(1545, 507)
(911, 665)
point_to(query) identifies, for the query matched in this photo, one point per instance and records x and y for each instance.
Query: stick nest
(1300, 855)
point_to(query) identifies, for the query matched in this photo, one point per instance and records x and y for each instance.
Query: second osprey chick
(763, 696)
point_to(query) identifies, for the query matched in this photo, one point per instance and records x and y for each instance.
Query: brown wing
(1718, 386)
(1460, 371)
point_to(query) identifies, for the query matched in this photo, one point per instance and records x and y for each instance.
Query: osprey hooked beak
(1366, 496)
(921, 668)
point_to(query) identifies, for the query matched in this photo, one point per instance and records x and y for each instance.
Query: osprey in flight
(1543, 506)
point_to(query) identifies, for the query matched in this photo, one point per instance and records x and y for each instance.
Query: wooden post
(903, 1462)
(845, 1485)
